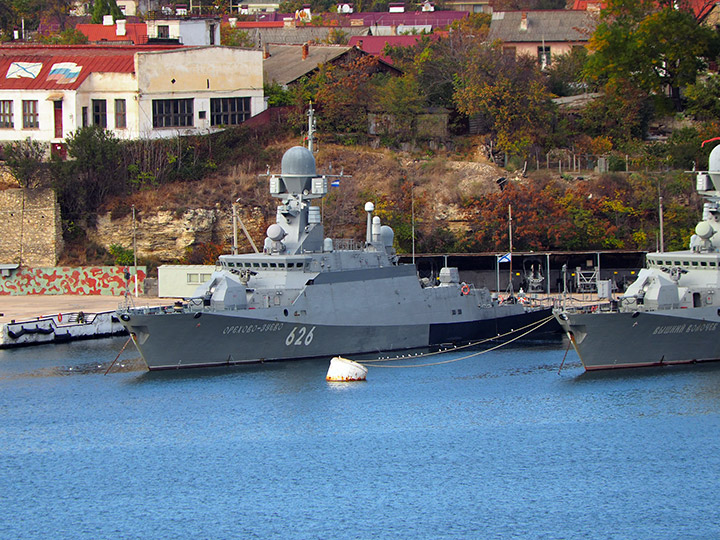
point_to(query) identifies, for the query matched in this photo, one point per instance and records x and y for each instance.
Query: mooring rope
(118, 355)
(535, 325)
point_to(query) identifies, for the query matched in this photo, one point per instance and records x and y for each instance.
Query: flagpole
(511, 246)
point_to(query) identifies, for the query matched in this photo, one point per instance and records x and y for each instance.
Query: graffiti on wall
(109, 280)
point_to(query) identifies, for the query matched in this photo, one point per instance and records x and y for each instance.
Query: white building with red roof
(47, 92)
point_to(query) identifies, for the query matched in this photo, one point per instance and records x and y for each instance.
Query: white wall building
(189, 32)
(135, 92)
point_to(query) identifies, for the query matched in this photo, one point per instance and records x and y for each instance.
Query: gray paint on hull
(619, 340)
(178, 341)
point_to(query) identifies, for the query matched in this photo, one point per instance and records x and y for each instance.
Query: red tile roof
(375, 44)
(134, 32)
(436, 19)
(63, 67)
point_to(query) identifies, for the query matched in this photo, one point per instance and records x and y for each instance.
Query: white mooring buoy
(344, 370)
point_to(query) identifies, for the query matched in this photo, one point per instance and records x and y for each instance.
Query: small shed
(181, 280)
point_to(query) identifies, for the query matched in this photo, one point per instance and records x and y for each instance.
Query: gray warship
(671, 312)
(308, 296)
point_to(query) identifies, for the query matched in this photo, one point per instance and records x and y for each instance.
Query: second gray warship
(671, 312)
(307, 296)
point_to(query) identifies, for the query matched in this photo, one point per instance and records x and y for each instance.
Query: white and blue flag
(505, 258)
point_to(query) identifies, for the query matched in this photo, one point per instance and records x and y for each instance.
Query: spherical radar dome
(298, 161)
(714, 161)
(276, 233)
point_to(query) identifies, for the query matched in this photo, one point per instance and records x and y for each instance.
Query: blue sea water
(495, 446)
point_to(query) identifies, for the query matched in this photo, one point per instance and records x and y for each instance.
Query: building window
(30, 114)
(229, 111)
(544, 57)
(163, 31)
(99, 112)
(84, 117)
(120, 114)
(6, 114)
(172, 113)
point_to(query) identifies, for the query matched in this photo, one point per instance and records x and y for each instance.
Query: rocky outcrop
(166, 235)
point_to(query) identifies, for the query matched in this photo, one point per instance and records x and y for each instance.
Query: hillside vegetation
(650, 103)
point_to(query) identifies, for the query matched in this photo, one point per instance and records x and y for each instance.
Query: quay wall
(103, 280)
(558, 269)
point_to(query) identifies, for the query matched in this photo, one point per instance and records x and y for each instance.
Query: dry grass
(441, 181)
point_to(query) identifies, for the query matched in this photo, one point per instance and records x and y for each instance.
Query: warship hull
(208, 339)
(641, 339)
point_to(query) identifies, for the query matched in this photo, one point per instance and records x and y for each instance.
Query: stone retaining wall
(30, 227)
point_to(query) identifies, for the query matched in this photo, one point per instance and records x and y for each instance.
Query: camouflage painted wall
(108, 280)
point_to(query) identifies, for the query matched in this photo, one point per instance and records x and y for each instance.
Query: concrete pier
(44, 319)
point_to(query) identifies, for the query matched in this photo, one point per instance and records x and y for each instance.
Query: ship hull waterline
(206, 339)
(643, 339)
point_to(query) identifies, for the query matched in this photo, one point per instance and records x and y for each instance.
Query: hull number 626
(300, 336)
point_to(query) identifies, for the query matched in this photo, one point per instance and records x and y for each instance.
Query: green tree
(7, 20)
(235, 37)
(436, 60)
(276, 95)
(106, 7)
(94, 172)
(703, 98)
(344, 94)
(400, 97)
(336, 36)
(122, 256)
(59, 10)
(565, 73)
(621, 114)
(26, 160)
(510, 94)
(650, 47)
(70, 36)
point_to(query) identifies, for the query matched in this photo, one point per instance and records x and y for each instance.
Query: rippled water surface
(495, 446)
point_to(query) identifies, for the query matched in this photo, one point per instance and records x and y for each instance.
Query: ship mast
(312, 127)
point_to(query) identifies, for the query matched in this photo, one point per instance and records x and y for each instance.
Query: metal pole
(234, 225)
(134, 250)
(547, 255)
(412, 211)
(662, 242)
